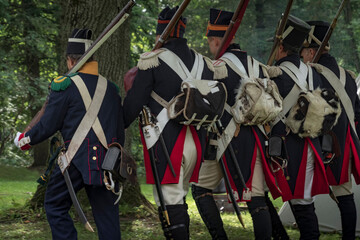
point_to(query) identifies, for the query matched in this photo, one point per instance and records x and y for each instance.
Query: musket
(163, 37)
(233, 158)
(226, 177)
(146, 120)
(328, 33)
(233, 27)
(169, 28)
(279, 33)
(108, 31)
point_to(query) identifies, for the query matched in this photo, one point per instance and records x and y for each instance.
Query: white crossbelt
(298, 75)
(85, 95)
(178, 66)
(88, 120)
(339, 86)
(254, 71)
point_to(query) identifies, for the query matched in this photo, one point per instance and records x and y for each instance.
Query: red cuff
(26, 146)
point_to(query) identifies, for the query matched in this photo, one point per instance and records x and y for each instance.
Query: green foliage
(28, 32)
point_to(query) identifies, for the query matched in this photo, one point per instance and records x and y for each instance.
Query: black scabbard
(168, 160)
(76, 203)
(228, 186)
(158, 185)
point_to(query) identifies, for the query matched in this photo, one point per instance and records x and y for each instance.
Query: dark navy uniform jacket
(64, 112)
(337, 172)
(292, 180)
(249, 139)
(166, 83)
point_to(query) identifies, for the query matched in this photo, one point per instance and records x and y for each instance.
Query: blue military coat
(249, 139)
(64, 112)
(337, 171)
(292, 180)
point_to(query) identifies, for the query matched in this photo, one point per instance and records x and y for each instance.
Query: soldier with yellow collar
(68, 104)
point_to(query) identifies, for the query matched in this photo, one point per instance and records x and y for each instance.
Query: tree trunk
(113, 58)
(350, 30)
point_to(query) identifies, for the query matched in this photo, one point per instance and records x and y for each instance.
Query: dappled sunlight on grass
(19, 222)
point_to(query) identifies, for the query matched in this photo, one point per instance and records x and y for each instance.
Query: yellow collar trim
(90, 68)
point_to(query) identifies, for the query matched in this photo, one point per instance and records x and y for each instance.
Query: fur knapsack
(257, 100)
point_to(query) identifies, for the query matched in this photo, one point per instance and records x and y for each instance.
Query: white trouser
(210, 176)
(175, 193)
(345, 188)
(309, 177)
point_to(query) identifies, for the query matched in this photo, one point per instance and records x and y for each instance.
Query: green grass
(18, 184)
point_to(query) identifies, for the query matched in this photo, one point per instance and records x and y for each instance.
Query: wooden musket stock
(233, 27)
(279, 32)
(164, 36)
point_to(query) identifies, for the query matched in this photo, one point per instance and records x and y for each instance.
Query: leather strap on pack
(339, 86)
(88, 120)
(85, 95)
(299, 77)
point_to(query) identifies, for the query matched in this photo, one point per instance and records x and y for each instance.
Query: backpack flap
(258, 101)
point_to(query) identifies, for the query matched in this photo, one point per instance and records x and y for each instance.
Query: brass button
(94, 158)
(94, 148)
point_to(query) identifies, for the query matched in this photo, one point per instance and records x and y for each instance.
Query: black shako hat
(79, 41)
(219, 22)
(164, 19)
(316, 34)
(295, 33)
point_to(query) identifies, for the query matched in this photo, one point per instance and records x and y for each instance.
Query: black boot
(177, 230)
(261, 218)
(209, 212)
(278, 230)
(306, 220)
(348, 216)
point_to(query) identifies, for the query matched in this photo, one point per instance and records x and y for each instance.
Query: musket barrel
(279, 33)
(165, 34)
(328, 33)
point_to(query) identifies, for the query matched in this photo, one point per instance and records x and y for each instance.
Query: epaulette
(220, 69)
(318, 67)
(209, 63)
(61, 83)
(352, 74)
(274, 71)
(117, 87)
(264, 68)
(149, 59)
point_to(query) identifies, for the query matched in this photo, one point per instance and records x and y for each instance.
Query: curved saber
(76, 203)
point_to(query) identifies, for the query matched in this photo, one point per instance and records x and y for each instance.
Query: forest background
(33, 36)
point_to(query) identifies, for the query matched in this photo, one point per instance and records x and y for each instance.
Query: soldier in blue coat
(248, 143)
(64, 112)
(304, 176)
(340, 168)
(184, 144)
